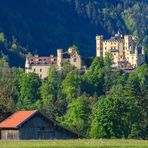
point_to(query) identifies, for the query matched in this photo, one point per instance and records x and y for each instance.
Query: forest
(43, 26)
(101, 103)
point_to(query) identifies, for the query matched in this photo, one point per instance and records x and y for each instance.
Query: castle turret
(136, 57)
(99, 46)
(71, 50)
(142, 51)
(59, 57)
(27, 65)
(128, 42)
(143, 55)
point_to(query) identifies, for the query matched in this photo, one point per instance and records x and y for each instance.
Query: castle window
(40, 76)
(75, 59)
(34, 69)
(40, 70)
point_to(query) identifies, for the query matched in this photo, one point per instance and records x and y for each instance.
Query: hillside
(43, 26)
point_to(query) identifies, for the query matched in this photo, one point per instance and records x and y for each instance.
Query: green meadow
(101, 143)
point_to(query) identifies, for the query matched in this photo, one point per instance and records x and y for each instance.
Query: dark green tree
(138, 86)
(28, 90)
(113, 117)
(71, 85)
(7, 88)
(77, 116)
(51, 97)
(93, 79)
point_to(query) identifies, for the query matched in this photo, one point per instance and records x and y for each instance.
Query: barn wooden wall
(9, 134)
(40, 128)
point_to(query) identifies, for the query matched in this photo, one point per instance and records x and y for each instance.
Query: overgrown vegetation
(101, 103)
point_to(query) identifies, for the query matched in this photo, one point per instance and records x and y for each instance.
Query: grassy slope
(75, 143)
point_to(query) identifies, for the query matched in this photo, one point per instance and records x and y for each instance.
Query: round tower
(142, 51)
(59, 57)
(71, 50)
(27, 65)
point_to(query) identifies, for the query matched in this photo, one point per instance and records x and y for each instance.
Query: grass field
(75, 144)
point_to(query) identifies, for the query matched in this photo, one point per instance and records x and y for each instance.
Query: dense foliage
(101, 103)
(43, 26)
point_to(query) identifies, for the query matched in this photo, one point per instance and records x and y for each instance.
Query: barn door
(10, 134)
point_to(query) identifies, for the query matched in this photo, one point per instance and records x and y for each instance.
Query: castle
(123, 50)
(41, 65)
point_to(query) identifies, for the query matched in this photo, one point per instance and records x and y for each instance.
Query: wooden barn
(27, 125)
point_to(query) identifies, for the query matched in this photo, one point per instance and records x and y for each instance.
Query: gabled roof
(20, 117)
(16, 119)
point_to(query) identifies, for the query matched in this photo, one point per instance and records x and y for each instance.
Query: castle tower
(143, 55)
(136, 57)
(128, 42)
(143, 52)
(27, 65)
(59, 57)
(99, 46)
(71, 50)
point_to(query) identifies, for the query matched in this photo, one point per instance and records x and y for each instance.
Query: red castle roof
(42, 60)
(16, 119)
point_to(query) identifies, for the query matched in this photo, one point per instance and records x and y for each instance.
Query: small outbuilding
(27, 125)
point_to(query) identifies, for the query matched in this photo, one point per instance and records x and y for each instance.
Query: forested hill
(42, 26)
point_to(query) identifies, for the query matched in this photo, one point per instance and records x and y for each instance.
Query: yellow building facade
(123, 50)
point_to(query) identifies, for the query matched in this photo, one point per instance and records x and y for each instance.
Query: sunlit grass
(101, 143)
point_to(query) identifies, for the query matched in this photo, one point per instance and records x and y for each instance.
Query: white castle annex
(123, 49)
(41, 65)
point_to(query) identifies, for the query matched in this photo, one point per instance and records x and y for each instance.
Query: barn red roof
(16, 119)
(20, 117)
